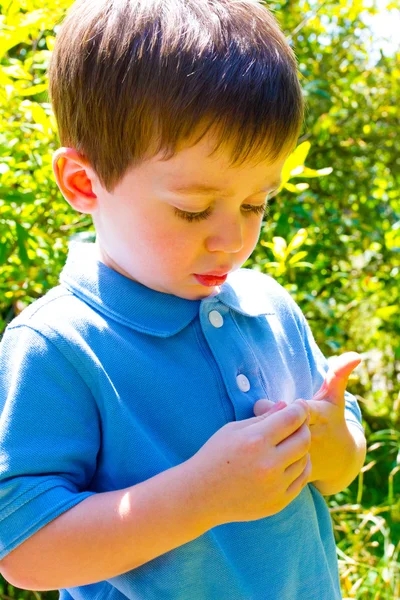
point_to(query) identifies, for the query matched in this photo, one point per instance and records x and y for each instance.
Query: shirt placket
(237, 364)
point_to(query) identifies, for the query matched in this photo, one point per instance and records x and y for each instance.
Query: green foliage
(332, 237)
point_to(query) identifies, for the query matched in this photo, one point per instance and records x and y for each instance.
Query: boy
(132, 463)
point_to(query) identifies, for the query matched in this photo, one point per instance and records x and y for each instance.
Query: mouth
(211, 280)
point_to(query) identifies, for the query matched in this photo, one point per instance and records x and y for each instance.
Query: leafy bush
(332, 237)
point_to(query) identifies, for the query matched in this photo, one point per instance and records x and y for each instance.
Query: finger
(277, 406)
(279, 425)
(295, 446)
(265, 406)
(337, 377)
(262, 406)
(293, 471)
(314, 411)
(298, 484)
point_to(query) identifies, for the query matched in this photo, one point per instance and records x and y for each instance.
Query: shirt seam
(53, 515)
(33, 487)
(55, 345)
(62, 293)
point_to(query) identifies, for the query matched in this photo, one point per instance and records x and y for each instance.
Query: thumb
(336, 378)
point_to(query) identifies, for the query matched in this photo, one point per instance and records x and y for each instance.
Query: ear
(74, 177)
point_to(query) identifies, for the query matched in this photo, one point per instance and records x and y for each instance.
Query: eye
(249, 209)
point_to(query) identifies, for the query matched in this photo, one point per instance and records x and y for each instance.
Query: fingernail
(280, 404)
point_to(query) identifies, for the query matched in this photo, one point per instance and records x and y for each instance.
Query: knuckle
(295, 414)
(252, 443)
(292, 418)
(266, 471)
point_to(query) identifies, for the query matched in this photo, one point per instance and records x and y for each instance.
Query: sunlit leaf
(34, 90)
(316, 173)
(50, 42)
(298, 240)
(296, 159)
(298, 256)
(279, 247)
(386, 312)
(298, 188)
(17, 72)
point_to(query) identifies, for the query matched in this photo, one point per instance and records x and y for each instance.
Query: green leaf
(22, 237)
(322, 93)
(50, 42)
(17, 71)
(33, 91)
(316, 173)
(296, 159)
(40, 117)
(303, 264)
(298, 256)
(386, 312)
(298, 188)
(298, 240)
(279, 248)
(10, 195)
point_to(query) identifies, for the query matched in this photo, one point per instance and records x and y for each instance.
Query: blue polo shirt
(105, 383)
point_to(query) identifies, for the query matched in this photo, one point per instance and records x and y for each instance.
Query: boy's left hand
(332, 443)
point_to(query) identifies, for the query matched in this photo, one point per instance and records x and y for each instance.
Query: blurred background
(332, 235)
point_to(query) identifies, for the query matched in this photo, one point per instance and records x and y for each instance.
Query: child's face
(140, 236)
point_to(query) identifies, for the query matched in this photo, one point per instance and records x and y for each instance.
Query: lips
(213, 274)
(217, 273)
(211, 280)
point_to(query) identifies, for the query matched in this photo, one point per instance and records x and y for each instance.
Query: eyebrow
(202, 189)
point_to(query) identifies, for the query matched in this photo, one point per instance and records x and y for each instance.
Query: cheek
(255, 231)
(173, 241)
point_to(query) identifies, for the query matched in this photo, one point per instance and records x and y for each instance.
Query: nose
(227, 236)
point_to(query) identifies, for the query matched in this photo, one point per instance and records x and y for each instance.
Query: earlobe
(73, 178)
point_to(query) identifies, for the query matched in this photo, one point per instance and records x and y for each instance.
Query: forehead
(198, 170)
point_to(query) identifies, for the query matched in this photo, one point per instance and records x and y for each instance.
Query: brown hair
(129, 79)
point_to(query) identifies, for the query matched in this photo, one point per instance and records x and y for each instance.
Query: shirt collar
(147, 310)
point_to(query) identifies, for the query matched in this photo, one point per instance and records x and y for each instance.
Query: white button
(216, 318)
(243, 383)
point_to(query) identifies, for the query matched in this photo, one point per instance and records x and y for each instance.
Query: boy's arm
(110, 533)
(53, 531)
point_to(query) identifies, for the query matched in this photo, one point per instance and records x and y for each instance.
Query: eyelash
(206, 213)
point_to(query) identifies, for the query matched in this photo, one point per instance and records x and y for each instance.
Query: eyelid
(255, 209)
(262, 194)
(198, 212)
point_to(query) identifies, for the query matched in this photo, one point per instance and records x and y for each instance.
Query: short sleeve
(319, 366)
(49, 435)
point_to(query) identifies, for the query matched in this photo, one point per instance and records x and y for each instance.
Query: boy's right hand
(254, 468)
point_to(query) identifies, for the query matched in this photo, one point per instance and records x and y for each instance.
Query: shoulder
(253, 279)
(59, 327)
(53, 335)
(258, 293)
(57, 312)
